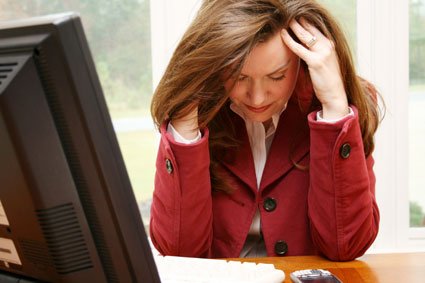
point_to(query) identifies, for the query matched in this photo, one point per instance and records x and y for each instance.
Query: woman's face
(267, 80)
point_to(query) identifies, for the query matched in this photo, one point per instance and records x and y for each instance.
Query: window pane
(118, 32)
(417, 113)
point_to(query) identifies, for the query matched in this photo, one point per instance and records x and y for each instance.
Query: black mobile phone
(314, 276)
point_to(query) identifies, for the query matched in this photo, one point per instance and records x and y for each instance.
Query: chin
(261, 119)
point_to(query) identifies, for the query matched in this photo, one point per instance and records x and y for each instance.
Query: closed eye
(242, 78)
(279, 78)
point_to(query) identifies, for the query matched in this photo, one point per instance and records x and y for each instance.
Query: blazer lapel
(239, 161)
(290, 144)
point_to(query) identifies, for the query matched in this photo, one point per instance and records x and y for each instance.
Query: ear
(303, 92)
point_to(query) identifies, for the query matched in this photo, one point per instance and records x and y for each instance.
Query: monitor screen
(67, 209)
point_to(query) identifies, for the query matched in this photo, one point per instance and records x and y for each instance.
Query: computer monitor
(67, 209)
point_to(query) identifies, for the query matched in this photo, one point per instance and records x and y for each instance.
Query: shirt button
(281, 247)
(168, 166)
(269, 204)
(345, 150)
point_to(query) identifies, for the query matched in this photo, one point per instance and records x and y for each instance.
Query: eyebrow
(278, 69)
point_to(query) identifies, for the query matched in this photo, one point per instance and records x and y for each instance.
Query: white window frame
(169, 20)
(383, 58)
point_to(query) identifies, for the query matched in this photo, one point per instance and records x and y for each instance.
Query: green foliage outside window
(417, 217)
(118, 32)
(417, 42)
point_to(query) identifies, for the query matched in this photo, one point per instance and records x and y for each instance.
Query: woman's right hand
(187, 126)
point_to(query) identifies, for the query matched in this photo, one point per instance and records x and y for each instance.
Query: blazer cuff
(319, 117)
(179, 138)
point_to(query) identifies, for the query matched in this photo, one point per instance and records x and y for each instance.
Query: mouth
(257, 109)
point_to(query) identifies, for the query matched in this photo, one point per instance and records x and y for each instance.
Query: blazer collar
(290, 144)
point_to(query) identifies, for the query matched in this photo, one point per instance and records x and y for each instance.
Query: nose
(257, 93)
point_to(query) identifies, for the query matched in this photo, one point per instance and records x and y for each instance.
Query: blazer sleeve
(181, 211)
(343, 212)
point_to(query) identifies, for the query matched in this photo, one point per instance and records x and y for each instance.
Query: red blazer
(327, 209)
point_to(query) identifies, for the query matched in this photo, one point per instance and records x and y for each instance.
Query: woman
(267, 137)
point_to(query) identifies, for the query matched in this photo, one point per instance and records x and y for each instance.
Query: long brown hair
(215, 46)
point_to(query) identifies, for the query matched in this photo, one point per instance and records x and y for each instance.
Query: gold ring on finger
(311, 42)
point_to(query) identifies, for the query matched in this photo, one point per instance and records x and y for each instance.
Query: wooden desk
(385, 268)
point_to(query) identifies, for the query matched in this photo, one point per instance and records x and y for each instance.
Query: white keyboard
(187, 269)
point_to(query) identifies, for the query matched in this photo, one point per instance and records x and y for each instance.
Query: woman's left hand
(322, 61)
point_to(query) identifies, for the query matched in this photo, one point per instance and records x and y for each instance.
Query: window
(416, 113)
(118, 32)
